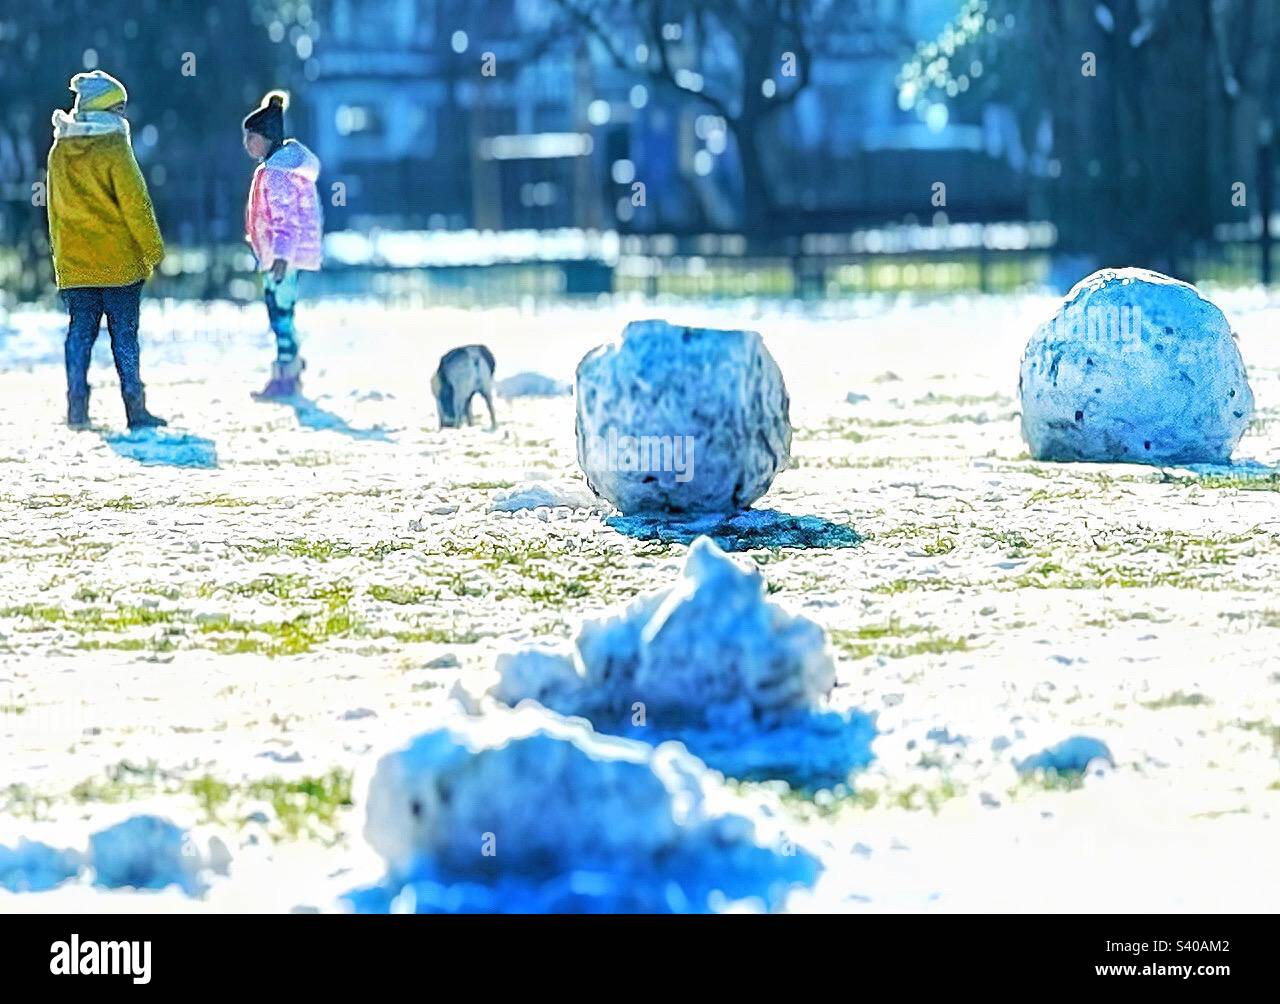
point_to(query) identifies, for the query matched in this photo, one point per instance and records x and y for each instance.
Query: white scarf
(76, 124)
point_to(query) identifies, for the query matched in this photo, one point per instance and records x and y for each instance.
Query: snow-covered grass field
(223, 623)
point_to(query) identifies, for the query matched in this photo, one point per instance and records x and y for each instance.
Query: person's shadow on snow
(164, 448)
(312, 416)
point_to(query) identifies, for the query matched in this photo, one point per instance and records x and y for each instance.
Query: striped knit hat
(97, 91)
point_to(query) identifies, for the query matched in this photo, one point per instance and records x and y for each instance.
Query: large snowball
(1135, 367)
(675, 419)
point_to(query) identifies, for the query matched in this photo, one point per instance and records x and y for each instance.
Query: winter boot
(135, 409)
(285, 382)
(77, 413)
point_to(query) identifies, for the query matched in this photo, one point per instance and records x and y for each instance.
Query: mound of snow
(541, 494)
(674, 419)
(140, 852)
(36, 867)
(528, 812)
(150, 852)
(1135, 367)
(711, 662)
(1071, 756)
(532, 385)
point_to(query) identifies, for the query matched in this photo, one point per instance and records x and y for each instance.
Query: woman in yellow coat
(104, 237)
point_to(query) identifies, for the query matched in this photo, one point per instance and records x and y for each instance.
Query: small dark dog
(464, 372)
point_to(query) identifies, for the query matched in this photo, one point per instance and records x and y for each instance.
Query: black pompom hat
(267, 119)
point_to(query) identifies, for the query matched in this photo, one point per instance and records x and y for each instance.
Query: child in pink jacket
(283, 223)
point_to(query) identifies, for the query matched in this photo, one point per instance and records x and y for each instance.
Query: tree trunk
(757, 199)
(753, 109)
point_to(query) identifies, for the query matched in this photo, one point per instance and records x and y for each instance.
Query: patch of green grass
(442, 636)
(533, 571)
(372, 493)
(122, 782)
(1236, 482)
(1268, 729)
(324, 549)
(403, 595)
(1046, 780)
(1056, 495)
(124, 503)
(943, 545)
(228, 502)
(889, 640)
(963, 400)
(61, 551)
(300, 805)
(289, 587)
(334, 620)
(21, 801)
(125, 645)
(913, 797)
(304, 458)
(1095, 574)
(832, 429)
(555, 592)
(1014, 540)
(304, 632)
(87, 619)
(1098, 576)
(61, 500)
(278, 638)
(1177, 699)
(906, 585)
(909, 531)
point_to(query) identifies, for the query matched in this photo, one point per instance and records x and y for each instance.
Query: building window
(357, 120)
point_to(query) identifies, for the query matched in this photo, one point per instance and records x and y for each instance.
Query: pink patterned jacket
(283, 218)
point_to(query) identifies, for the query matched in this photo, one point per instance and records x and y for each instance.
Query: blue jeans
(86, 307)
(281, 298)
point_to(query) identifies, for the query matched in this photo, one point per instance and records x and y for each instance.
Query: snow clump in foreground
(30, 866)
(712, 662)
(524, 811)
(1135, 367)
(1071, 756)
(139, 852)
(150, 852)
(543, 495)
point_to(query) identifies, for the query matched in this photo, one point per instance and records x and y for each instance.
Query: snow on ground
(226, 621)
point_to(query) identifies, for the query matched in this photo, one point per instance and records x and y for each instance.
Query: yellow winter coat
(102, 227)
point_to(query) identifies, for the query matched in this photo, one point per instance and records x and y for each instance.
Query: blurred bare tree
(1142, 113)
(744, 60)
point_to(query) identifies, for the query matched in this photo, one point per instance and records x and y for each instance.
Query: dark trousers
(282, 298)
(86, 307)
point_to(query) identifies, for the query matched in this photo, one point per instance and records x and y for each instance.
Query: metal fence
(719, 266)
